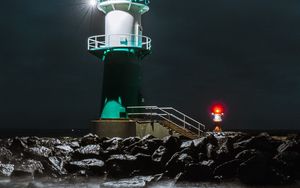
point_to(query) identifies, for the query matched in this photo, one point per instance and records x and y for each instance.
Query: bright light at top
(92, 3)
(218, 109)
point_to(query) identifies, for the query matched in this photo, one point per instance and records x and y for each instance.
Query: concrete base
(113, 128)
(127, 128)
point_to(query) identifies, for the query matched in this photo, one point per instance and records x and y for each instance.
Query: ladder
(168, 117)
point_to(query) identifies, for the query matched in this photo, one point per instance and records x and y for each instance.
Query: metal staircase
(168, 117)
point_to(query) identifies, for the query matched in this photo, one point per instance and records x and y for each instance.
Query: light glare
(92, 3)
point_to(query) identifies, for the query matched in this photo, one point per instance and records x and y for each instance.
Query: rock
(161, 156)
(50, 142)
(38, 152)
(6, 170)
(115, 147)
(140, 149)
(94, 166)
(129, 141)
(5, 155)
(227, 169)
(288, 164)
(187, 144)
(262, 142)
(254, 170)
(289, 145)
(144, 164)
(211, 151)
(111, 142)
(63, 149)
(89, 151)
(177, 163)
(28, 168)
(202, 171)
(200, 144)
(246, 154)
(120, 165)
(33, 141)
(89, 139)
(55, 166)
(225, 151)
(172, 143)
(18, 145)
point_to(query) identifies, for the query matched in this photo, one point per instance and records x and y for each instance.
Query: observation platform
(101, 45)
(126, 5)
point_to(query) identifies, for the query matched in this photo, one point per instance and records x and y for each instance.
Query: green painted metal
(113, 110)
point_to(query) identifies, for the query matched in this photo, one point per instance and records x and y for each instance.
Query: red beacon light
(217, 114)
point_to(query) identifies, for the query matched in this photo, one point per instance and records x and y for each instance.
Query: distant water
(136, 182)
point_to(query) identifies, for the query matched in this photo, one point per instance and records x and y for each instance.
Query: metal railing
(169, 114)
(146, 2)
(119, 40)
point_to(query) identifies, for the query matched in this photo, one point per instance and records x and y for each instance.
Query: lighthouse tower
(121, 50)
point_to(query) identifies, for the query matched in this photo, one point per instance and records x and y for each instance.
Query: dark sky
(244, 53)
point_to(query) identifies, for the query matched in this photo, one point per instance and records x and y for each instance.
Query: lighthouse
(121, 50)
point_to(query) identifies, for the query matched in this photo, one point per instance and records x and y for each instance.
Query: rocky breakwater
(259, 159)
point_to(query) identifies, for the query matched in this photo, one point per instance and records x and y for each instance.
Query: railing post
(184, 121)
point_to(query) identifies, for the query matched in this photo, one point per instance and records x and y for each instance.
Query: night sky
(243, 53)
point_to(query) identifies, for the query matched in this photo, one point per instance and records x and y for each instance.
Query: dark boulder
(89, 139)
(172, 143)
(5, 155)
(254, 170)
(91, 166)
(50, 142)
(18, 145)
(55, 166)
(89, 151)
(211, 151)
(200, 144)
(288, 163)
(262, 142)
(246, 154)
(28, 168)
(202, 171)
(64, 150)
(6, 170)
(289, 145)
(120, 165)
(129, 141)
(145, 165)
(227, 169)
(177, 163)
(161, 156)
(140, 149)
(38, 152)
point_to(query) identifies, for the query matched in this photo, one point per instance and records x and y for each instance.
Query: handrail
(165, 111)
(119, 40)
(146, 2)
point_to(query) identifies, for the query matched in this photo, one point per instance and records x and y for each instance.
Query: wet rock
(202, 171)
(187, 144)
(38, 152)
(110, 142)
(33, 141)
(135, 182)
(115, 147)
(89, 151)
(63, 150)
(200, 144)
(254, 170)
(288, 163)
(140, 149)
(177, 163)
(129, 141)
(18, 145)
(161, 156)
(55, 166)
(172, 143)
(28, 168)
(93, 166)
(90, 139)
(6, 170)
(120, 165)
(227, 169)
(289, 145)
(144, 164)
(262, 142)
(5, 155)
(50, 142)
(211, 151)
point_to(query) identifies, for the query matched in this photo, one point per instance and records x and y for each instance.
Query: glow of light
(92, 3)
(218, 109)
